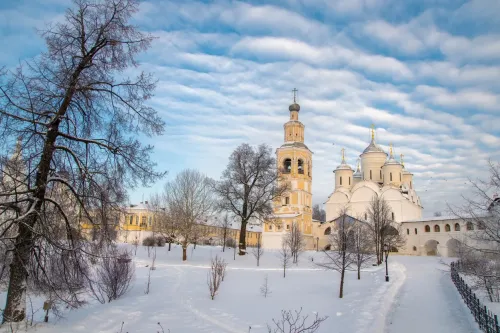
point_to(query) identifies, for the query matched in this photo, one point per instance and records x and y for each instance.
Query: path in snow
(428, 300)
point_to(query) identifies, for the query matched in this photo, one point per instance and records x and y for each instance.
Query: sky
(425, 72)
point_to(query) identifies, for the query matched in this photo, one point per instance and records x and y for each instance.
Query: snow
(419, 297)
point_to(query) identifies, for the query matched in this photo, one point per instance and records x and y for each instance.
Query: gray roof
(373, 148)
(294, 144)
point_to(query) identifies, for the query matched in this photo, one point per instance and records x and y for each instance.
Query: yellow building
(294, 161)
(138, 223)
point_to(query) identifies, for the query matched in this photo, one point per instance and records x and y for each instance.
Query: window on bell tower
(370, 175)
(340, 180)
(287, 165)
(287, 200)
(301, 166)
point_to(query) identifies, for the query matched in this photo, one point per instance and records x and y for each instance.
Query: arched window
(407, 231)
(143, 222)
(340, 180)
(414, 248)
(287, 165)
(137, 220)
(349, 180)
(415, 231)
(436, 228)
(457, 227)
(270, 227)
(328, 231)
(400, 176)
(427, 228)
(366, 217)
(390, 176)
(370, 174)
(309, 168)
(131, 219)
(470, 226)
(287, 200)
(380, 174)
(447, 228)
(301, 166)
(392, 215)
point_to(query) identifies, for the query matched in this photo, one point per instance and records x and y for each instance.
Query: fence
(488, 322)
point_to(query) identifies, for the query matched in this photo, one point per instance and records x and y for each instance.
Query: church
(377, 174)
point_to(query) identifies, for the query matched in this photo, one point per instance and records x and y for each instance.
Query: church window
(457, 227)
(380, 174)
(447, 227)
(340, 180)
(143, 222)
(400, 176)
(136, 220)
(287, 227)
(131, 219)
(407, 231)
(349, 180)
(366, 217)
(470, 226)
(287, 165)
(301, 166)
(392, 215)
(414, 248)
(150, 221)
(410, 185)
(427, 228)
(287, 200)
(370, 175)
(390, 176)
(279, 227)
(481, 225)
(436, 228)
(415, 231)
(328, 231)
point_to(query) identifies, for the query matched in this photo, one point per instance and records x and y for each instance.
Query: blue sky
(425, 72)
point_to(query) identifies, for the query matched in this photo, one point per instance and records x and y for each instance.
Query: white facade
(379, 176)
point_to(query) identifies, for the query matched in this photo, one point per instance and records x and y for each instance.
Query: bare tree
(73, 115)
(190, 201)
(295, 240)
(480, 249)
(113, 274)
(341, 258)
(438, 214)
(382, 228)
(363, 246)
(294, 322)
(319, 213)
(225, 225)
(248, 187)
(216, 275)
(285, 255)
(258, 251)
(264, 288)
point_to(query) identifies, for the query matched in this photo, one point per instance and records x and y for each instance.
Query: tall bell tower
(294, 161)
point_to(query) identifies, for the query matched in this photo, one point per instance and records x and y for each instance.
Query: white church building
(378, 175)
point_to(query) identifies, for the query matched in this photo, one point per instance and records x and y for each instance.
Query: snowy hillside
(179, 298)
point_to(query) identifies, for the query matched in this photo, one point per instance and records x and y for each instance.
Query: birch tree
(248, 186)
(189, 201)
(75, 112)
(295, 240)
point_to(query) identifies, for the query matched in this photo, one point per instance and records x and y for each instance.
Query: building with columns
(294, 161)
(377, 174)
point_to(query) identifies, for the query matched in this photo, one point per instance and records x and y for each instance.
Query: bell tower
(294, 161)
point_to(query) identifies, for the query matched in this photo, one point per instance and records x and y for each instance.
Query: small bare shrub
(149, 241)
(112, 276)
(264, 288)
(216, 275)
(293, 322)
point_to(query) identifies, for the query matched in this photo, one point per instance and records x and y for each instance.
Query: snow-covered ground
(419, 297)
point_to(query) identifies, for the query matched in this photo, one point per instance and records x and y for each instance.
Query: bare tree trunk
(15, 309)
(169, 244)
(342, 275)
(243, 245)
(359, 272)
(224, 236)
(184, 253)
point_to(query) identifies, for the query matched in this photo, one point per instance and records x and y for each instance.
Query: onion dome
(391, 160)
(373, 147)
(294, 107)
(358, 173)
(343, 165)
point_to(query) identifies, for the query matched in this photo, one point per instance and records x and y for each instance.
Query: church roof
(294, 144)
(373, 148)
(358, 174)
